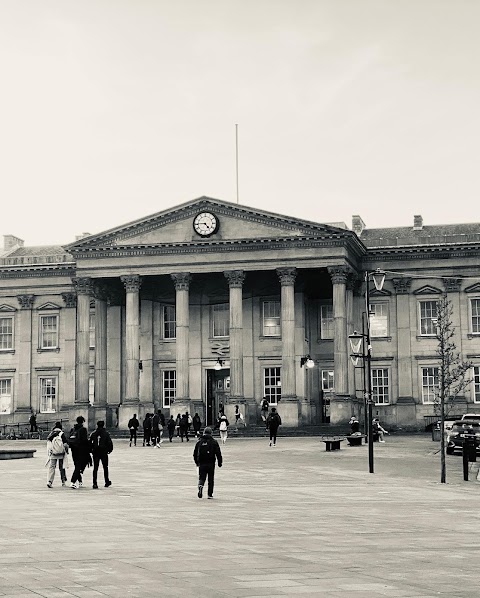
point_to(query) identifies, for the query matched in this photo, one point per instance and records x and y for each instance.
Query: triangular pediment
(48, 305)
(474, 288)
(234, 223)
(428, 290)
(377, 293)
(7, 308)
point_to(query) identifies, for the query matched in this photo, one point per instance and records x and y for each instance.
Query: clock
(205, 224)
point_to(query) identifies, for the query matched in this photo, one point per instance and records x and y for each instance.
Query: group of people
(377, 430)
(155, 424)
(84, 450)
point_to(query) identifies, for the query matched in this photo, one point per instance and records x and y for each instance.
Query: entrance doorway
(218, 391)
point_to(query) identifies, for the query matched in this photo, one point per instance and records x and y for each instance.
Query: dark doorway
(218, 391)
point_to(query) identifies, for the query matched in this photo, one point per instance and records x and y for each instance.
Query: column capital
(339, 274)
(182, 280)
(402, 285)
(70, 299)
(131, 282)
(26, 301)
(235, 278)
(100, 291)
(287, 276)
(354, 282)
(452, 284)
(83, 286)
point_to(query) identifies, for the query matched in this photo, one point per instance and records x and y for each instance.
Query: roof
(427, 235)
(38, 254)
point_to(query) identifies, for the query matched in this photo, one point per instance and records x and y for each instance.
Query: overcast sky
(112, 110)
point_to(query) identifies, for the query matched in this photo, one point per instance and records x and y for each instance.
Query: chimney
(417, 223)
(9, 242)
(358, 225)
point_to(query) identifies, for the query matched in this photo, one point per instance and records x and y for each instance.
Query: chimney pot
(358, 225)
(417, 223)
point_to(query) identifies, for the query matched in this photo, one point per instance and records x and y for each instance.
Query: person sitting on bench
(378, 430)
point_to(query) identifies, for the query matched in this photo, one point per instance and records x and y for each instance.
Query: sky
(112, 110)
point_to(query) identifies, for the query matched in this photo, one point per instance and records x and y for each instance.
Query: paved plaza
(285, 521)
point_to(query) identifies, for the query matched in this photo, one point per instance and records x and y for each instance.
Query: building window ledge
(7, 351)
(49, 350)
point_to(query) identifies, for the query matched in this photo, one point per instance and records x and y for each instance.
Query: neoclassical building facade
(212, 302)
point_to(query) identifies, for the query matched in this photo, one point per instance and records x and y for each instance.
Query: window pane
(169, 322)
(6, 333)
(429, 384)
(326, 322)
(48, 393)
(475, 316)
(271, 318)
(169, 387)
(380, 386)
(327, 380)
(5, 395)
(48, 332)
(272, 388)
(221, 320)
(379, 319)
(476, 383)
(428, 313)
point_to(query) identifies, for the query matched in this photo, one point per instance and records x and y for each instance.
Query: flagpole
(236, 158)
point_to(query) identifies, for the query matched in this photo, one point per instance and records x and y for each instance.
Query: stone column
(84, 289)
(69, 316)
(351, 326)
(100, 400)
(235, 282)
(182, 286)
(405, 399)
(25, 343)
(340, 405)
(132, 285)
(289, 405)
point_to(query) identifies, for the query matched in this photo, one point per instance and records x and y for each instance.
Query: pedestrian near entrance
(197, 424)
(33, 422)
(264, 408)
(378, 430)
(101, 445)
(206, 452)
(177, 425)
(133, 425)
(239, 417)
(147, 429)
(171, 428)
(80, 447)
(57, 450)
(274, 421)
(184, 427)
(156, 430)
(223, 427)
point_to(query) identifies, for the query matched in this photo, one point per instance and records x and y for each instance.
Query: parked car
(455, 436)
(475, 416)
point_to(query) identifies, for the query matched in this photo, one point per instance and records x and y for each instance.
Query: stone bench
(332, 443)
(16, 453)
(355, 440)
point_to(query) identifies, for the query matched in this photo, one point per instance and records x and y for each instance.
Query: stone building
(212, 302)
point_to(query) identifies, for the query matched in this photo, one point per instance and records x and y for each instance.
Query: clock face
(205, 224)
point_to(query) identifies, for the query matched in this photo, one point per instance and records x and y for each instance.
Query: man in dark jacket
(80, 446)
(206, 451)
(156, 430)
(147, 429)
(133, 425)
(102, 446)
(273, 422)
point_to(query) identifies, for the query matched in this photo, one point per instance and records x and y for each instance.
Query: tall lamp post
(362, 340)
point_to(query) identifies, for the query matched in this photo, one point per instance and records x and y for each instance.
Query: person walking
(205, 453)
(177, 425)
(133, 425)
(273, 422)
(80, 447)
(155, 430)
(223, 427)
(161, 426)
(33, 422)
(197, 424)
(147, 429)
(57, 450)
(264, 409)
(171, 428)
(101, 445)
(184, 427)
(189, 421)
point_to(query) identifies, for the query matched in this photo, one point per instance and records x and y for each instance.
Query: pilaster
(84, 290)
(182, 285)
(25, 343)
(235, 282)
(402, 290)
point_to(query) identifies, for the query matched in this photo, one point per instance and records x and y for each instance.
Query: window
(221, 319)
(5, 395)
(326, 322)
(48, 394)
(272, 388)
(379, 319)
(476, 384)
(169, 316)
(6, 333)
(48, 332)
(475, 303)
(271, 318)
(429, 384)
(91, 327)
(169, 387)
(380, 386)
(327, 381)
(428, 315)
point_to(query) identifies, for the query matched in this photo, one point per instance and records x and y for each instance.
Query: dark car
(455, 436)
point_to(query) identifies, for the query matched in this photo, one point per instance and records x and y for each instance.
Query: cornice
(26, 272)
(421, 252)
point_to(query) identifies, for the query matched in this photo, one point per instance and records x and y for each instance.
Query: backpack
(204, 450)
(223, 425)
(101, 441)
(57, 445)
(73, 437)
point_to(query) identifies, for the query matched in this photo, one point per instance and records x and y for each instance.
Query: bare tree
(452, 372)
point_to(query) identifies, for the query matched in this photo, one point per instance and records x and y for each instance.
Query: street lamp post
(363, 340)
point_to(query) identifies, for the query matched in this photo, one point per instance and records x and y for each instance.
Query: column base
(289, 410)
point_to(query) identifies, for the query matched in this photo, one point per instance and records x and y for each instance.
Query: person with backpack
(80, 447)
(205, 453)
(147, 429)
(101, 445)
(197, 424)
(133, 425)
(171, 428)
(223, 427)
(273, 422)
(57, 450)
